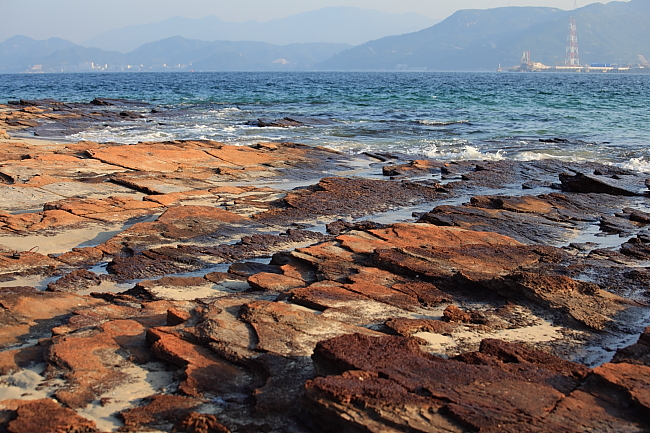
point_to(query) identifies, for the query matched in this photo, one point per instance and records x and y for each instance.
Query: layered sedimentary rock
(389, 384)
(173, 287)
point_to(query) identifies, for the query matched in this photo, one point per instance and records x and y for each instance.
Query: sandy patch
(448, 345)
(107, 287)
(24, 385)
(144, 381)
(39, 282)
(89, 235)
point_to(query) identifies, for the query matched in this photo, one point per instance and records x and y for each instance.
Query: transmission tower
(572, 57)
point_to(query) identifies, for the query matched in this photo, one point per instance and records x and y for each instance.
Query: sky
(78, 20)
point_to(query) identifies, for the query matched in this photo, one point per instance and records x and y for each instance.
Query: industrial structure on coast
(572, 60)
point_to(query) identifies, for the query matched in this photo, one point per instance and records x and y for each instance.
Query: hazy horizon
(79, 20)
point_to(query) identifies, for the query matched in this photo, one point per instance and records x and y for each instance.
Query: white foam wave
(440, 122)
(223, 113)
(467, 152)
(122, 137)
(539, 156)
(637, 164)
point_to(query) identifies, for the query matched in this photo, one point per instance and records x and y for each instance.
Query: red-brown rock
(274, 282)
(81, 256)
(387, 383)
(203, 370)
(160, 413)
(28, 314)
(286, 330)
(46, 416)
(634, 379)
(407, 327)
(91, 361)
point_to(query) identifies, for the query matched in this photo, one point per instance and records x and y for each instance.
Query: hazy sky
(78, 20)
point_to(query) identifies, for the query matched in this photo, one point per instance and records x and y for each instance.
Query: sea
(451, 116)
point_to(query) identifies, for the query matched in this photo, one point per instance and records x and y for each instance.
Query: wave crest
(467, 152)
(440, 122)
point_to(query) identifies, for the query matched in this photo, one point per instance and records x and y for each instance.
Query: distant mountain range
(23, 54)
(471, 40)
(341, 25)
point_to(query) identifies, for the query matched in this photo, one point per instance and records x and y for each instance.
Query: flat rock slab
(34, 222)
(84, 189)
(29, 314)
(110, 209)
(55, 165)
(415, 261)
(288, 331)
(161, 184)
(549, 219)
(160, 412)
(20, 199)
(26, 262)
(347, 197)
(153, 157)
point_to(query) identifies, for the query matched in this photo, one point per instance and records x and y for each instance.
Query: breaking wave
(467, 152)
(637, 164)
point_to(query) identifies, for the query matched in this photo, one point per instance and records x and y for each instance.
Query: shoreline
(288, 287)
(446, 117)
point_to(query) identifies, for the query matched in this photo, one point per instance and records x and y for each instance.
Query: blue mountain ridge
(348, 25)
(471, 40)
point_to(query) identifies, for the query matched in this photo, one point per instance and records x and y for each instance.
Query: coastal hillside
(23, 54)
(470, 40)
(347, 25)
(19, 51)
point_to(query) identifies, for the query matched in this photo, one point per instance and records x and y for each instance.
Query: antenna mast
(572, 56)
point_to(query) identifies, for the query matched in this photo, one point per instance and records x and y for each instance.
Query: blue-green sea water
(599, 117)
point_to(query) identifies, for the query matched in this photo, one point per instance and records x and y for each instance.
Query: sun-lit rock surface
(194, 286)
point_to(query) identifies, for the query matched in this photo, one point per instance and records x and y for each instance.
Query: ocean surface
(520, 116)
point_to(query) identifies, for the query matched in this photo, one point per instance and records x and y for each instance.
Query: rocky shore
(194, 286)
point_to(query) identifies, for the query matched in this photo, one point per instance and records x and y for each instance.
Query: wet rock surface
(194, 286)
(289, 122)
